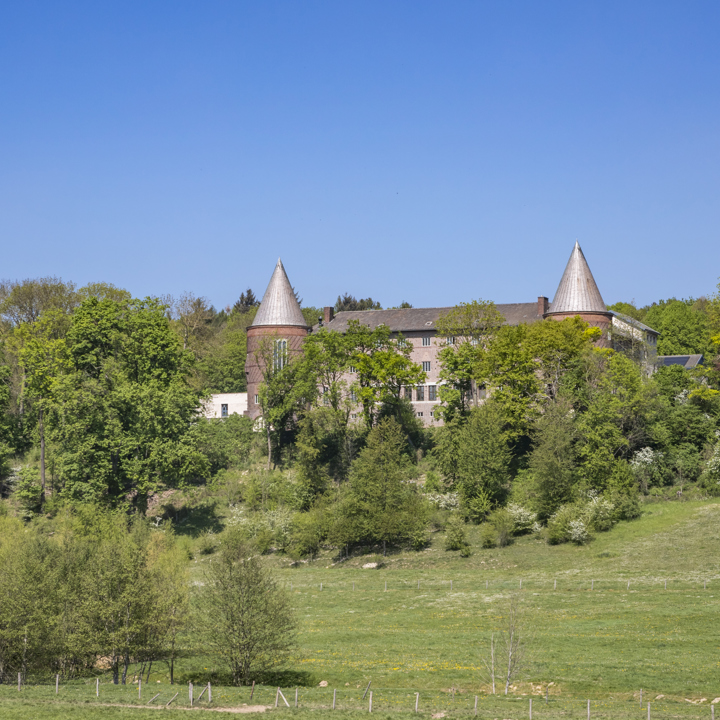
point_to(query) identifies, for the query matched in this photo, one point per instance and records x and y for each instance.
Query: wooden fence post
(417, 702)
(209, 693)
(648, 711)
(370, 708)
(588, 710)
(153, 698)
(320, 587)
(296, 696)
(253, 690)
(386, 586)
(139, 688)
(530, 708)
(555, 585)
(277, 696)
(476, 704)
(97, 687)
(334, 698)
(57, 683)
(547, 694)
(712, 712)
(521, 583)
(19, 681)
(366, 690)
(190, 694)
(167, 704)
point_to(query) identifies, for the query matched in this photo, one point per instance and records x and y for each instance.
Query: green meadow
(590, 635)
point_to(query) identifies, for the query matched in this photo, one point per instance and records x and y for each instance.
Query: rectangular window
(223, 410)
(450, 341)
(279, 354)
(432, 393)
(408, 393)
(426, 365)
(426, 341)
(354, 416)
(432, 414)
(352, 369)
(353, 396)
(419, 414)
(420, 393)
(257, 399)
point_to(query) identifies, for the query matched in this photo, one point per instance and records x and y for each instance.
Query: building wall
(253, 370)
(236, 404)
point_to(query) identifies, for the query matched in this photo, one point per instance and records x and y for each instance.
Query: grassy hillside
(604, 643)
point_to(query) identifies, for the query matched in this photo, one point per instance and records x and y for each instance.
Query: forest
(104, 454)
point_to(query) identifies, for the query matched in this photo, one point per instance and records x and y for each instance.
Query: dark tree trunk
(41, 430)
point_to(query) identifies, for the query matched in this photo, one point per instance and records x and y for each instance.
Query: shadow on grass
(195, 521)
(273, 678)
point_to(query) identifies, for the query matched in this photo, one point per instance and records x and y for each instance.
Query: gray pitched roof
(687, 361)
(577, 291)
(279, 305)
(635, 323)
(424, 319)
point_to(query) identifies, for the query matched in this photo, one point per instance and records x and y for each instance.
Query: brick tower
(578, 294)
(276, 334)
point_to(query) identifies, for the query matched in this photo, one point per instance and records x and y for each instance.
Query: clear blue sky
(432, 152)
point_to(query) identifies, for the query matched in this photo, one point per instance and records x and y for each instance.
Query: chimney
(328, 315)
(543, 306)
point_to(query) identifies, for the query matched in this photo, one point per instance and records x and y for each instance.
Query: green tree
(683, 328)
(483, 461)
(245, 616)
(382, 368)
(381, 505)
(552, 461)
(120, 419)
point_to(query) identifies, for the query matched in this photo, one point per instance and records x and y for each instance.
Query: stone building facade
(279, 328)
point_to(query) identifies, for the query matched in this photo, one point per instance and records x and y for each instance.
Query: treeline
(542, 430)
(98, 591)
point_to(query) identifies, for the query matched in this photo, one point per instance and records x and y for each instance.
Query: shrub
(465, 551)
(600, 513)
(627, 505)
(487, 536)
(455, 533)
(568, 524)
(432, 482)
(524, 520)
(207, 543)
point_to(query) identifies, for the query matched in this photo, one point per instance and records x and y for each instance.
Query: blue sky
(432, 152)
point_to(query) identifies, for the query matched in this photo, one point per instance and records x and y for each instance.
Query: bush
(487, 536)
(627, 505)
(207, 543)
(503, 523)
(308, 532)
(600, 513)
(455, 533)
(524, 520)
(568, 524)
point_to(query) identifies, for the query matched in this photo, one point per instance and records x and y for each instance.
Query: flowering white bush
(523, 519)
(600, 512)
(277, 522)
(646, 458)
(444, 501)
(578, 532)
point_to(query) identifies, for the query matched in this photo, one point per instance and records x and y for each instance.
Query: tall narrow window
(353, 396)
(426, 341)
(408, 393)
(426, 365)
(257, 399)
(420, 393)
(279, 354)
(223, 410)
(432, 393)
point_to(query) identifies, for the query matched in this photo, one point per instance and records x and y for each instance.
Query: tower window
(279, 354)
(223, 410)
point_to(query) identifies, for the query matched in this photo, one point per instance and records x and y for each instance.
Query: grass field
(604, 642)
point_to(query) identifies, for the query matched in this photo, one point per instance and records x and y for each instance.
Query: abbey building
(279, 328)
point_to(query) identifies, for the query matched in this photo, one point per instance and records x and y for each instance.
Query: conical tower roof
(577, 291)
(279, 306)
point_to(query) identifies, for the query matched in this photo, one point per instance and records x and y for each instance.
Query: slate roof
(419, 319)
(279, 306)
(687, 361)
(577, 291)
